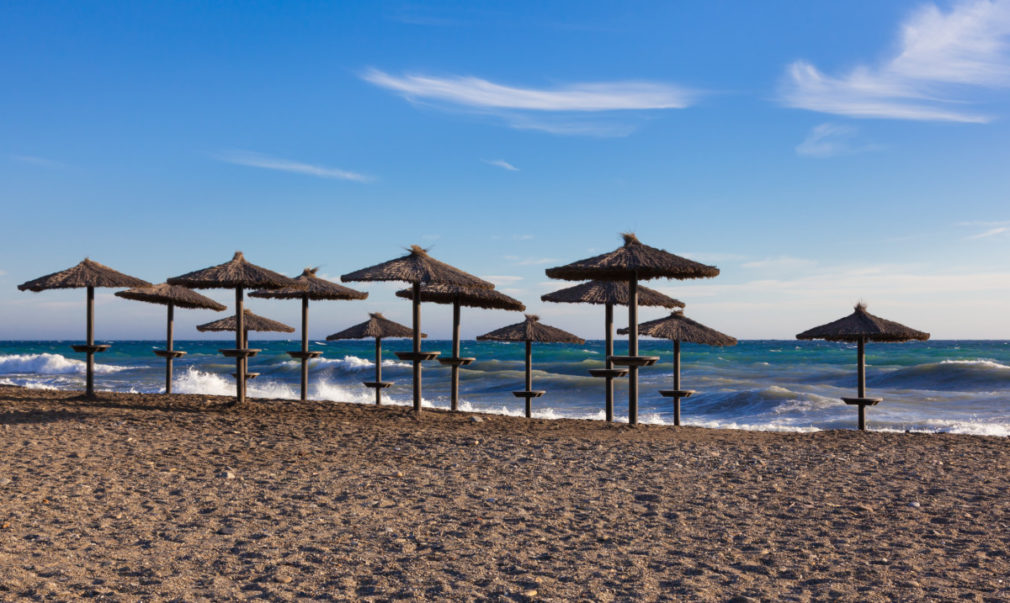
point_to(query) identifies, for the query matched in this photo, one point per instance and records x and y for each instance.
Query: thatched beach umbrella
(610, 293)
(87, 274)
(310, 287)
(861, 326)
(417, 268)
(632, 262)
(237, 274)
(530, 330)
(172, 296)
(489, 299)
(678, 328)
(250, 322)
(379, 327)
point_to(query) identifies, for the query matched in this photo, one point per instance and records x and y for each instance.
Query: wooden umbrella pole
(239, 344)
(305, 346)
(529, 377)
(90, 386)
(609, 326)
(417, 347)
(676, 381)
(168, 347)
(862, 382)
(378, 371)
(633, 349)
(454, 404)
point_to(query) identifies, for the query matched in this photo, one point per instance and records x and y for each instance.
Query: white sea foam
(353, 363)
(979, 362)
(50, 364)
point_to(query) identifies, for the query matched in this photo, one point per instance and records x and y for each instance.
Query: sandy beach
(148, 497)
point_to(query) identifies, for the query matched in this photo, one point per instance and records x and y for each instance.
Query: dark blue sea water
(951, 386)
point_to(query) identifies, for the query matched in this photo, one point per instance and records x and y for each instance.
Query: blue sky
(818, 153)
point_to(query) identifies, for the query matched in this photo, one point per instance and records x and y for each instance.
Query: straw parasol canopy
(861, 326)
(417, 268)
(171, 296)
(610, 292)
(678, 327)
(175, 295)
(633, 259)
(309, 287)
(237, 274)
(528, 331)
(307, 284)
(489, 299)
(251, 322)
(531, 330)
(379, 327)
(88, 274)
(632, 262)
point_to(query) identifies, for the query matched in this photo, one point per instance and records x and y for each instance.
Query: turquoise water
(951, 386)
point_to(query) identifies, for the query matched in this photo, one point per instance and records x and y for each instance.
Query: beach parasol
(860, 327)
(172, 296)
(310, 287)
(488, 299)
(379, 327)
(609, 293)
(530, 330)
(237, 274)
(87, 274)
(632, 262)
(250, 322)
(417, 268)
(680, 328)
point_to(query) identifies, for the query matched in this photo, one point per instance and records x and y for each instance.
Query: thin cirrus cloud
(830, 140)
(941, 58)
(259, 160)
(502, 164)
(992, 229)
(566, 110)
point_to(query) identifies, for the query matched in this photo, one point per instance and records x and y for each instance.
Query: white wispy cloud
(570, 110)
(477, 92)
(830, 140)
(529, 261)
(502, 279)
(259, 160)
(778, 263)
(991, 229)
(39, 161)
(992, 232)
(502, 164)
(940, 56)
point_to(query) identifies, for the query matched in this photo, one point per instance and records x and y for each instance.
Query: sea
(932, 386)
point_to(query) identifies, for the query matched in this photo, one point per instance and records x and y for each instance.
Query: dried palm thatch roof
(86, 274)
(377, 326)
(531, 329)
(252, 322)
(466, 296)
(633, 259)
(177, 295)
(863, 325)
(610, 292)
(676, 326)
(417, 267)
(235, 273)
(308, 284)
